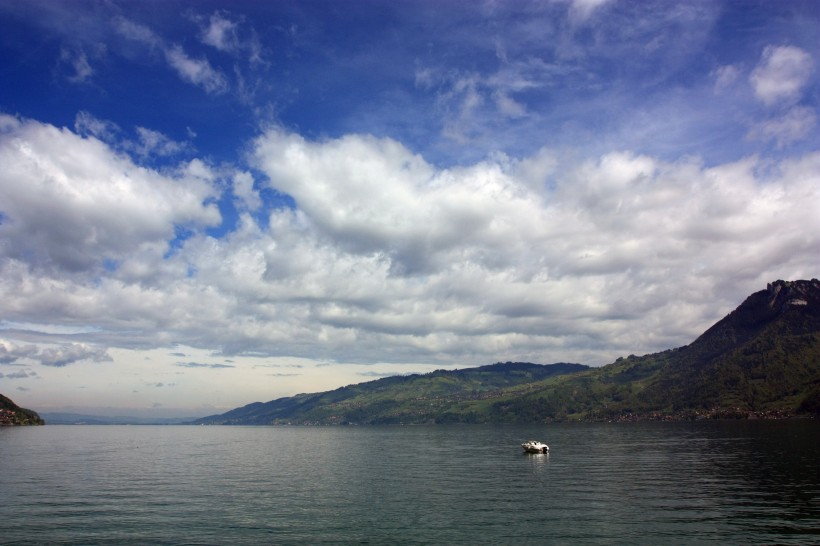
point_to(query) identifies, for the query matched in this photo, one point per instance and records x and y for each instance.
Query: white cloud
(226, 35)
(471, 103)
(87, 124)
(71, 203)
(152, 142)
(51, 355)
(78, 61)
(782, 74)
(147, 142)
(463, 260)
(137, 32)
(794, 125)
(196, 71)
(68, 354)
(392, 259)
(374, 196)
(221, 33)
(11, 353)
(244, 192)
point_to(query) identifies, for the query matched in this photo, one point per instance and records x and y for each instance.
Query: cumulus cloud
(389, 257)
(62, 355)
(493, 259)
(71, 203)
(69, 354)
(782, 74)
(374, 197)
(245, 193)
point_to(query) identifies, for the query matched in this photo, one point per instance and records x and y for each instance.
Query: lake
(730, 482)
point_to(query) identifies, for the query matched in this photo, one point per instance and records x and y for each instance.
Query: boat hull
(535, 447)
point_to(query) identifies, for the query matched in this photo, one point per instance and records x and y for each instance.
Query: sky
(205, 204)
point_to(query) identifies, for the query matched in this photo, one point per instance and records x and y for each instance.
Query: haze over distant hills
(66, 418)
(762, 360)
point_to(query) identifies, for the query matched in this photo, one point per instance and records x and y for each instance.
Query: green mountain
(436, 397)
(12, 414)
(763, 359)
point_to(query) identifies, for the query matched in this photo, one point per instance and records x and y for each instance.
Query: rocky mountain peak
(785, 294)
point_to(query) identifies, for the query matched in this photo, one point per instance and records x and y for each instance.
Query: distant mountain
(435, 397)
(12, 414)
(61, 418)
(762, 360)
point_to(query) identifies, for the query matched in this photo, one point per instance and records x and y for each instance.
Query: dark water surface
(628, 483)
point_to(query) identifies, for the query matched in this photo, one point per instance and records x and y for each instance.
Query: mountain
(12, 414)
(762, 360)
(62, 418)
(438, 396)
(764, 356)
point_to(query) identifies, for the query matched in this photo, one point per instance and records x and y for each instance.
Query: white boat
(532, 446)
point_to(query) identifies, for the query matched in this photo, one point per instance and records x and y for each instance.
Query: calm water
(647, 483)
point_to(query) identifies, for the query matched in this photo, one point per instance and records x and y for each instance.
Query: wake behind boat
(533, 446)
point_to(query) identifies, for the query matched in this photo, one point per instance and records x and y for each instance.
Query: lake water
(627, 483)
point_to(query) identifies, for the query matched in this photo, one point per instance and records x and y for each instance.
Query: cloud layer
(389, 258)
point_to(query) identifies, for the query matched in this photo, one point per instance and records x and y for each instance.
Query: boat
(533, 446)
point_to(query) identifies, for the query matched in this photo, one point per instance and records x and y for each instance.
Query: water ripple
(637, 483)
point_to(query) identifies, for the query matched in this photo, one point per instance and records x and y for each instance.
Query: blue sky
(205, 204)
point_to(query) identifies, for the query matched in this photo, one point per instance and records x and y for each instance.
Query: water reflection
(537, 463)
